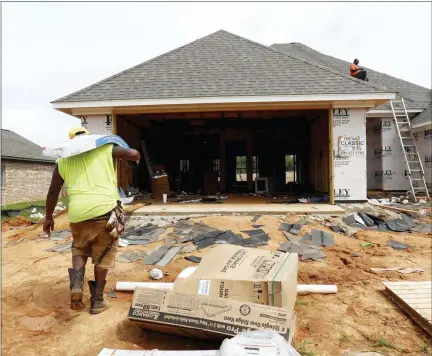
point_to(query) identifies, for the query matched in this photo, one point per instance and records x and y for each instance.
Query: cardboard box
(160, 186)
(249, 274)
(211, 183)
(205, 317)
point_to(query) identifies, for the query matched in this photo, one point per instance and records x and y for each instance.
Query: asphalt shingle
(416, 97)
(14, 146)
(425, 117)
(222, 64)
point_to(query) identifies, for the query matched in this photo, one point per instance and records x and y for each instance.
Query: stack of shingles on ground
(308, 246)
(145, 235)
(162, 255)
(370, 222)
(61, 235)
(142, 235)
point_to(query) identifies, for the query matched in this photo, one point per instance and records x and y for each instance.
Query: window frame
(3, 175)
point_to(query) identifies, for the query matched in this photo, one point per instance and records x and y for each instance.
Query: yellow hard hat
(78, 130)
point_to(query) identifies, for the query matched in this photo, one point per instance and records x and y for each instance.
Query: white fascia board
(389, 113)
(223, 100)
(422, 125)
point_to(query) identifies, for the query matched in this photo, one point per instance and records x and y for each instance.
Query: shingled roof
(16, 147)
(222, 64)
(416, 97)
(424, 118)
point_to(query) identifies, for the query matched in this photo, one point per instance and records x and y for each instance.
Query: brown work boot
(76, 286)
(98, 303)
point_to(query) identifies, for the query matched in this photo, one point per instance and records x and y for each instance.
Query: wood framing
(331, 157)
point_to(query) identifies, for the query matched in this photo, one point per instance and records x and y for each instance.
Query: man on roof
(95, 215)
(356, 71)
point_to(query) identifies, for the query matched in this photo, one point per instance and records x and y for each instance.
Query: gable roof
(424, 118)
(14, 146)
(221, 64)
(416, 96)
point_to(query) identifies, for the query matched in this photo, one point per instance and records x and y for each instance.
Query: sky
(53, 49)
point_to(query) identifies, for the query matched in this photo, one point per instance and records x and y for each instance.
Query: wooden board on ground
(399, 210)
(415, 299)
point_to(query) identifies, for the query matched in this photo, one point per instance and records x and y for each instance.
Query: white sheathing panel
(98, 124)
(387, 170)
(393, 174)
(424, 146)
(349, 147)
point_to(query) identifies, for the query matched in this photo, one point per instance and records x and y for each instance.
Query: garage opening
(264, 152)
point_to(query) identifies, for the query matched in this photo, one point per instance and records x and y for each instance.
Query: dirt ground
(36, 319)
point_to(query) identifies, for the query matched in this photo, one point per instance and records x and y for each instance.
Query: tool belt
(115, 226)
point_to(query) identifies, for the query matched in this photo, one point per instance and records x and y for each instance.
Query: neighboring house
(25, 173)
(386, 166)
(224, 108)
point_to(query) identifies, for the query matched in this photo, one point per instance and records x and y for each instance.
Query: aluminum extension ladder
(415, 171)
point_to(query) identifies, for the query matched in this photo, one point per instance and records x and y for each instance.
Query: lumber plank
(410, 300)
(418, 308)
(414, 295)
(392, 284)
(416, 288)
(401, 210)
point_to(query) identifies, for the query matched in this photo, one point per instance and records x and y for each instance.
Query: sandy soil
(36, 318)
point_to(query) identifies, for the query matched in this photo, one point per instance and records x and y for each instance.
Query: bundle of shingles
(371, 222)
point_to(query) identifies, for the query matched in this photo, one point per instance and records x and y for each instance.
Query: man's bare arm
(51, 200)
(126, 154)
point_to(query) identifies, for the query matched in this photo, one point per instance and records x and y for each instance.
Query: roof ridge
(132, 68)
(343, 60)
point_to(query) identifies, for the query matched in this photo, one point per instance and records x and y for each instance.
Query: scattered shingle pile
(370, 222)
(203, 236)
(142, 235)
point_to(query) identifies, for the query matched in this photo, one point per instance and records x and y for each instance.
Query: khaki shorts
(90, 238)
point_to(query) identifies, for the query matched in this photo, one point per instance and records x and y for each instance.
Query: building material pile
(234, 289)
(403, 223)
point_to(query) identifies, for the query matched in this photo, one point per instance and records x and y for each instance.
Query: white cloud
(52, 49)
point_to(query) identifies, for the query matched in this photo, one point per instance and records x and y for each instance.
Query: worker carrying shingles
(357, 72)
(95, 214)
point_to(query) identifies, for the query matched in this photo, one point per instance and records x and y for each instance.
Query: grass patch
(381, 342)
(425, 349)
(345, 337)
(301, 302)
(304, 349)
(22, 206)
(25, 209)
(26, 205)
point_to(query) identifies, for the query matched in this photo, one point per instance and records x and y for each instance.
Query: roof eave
(108, 106)
(389, 113)
(24, 159)
(422, 125)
